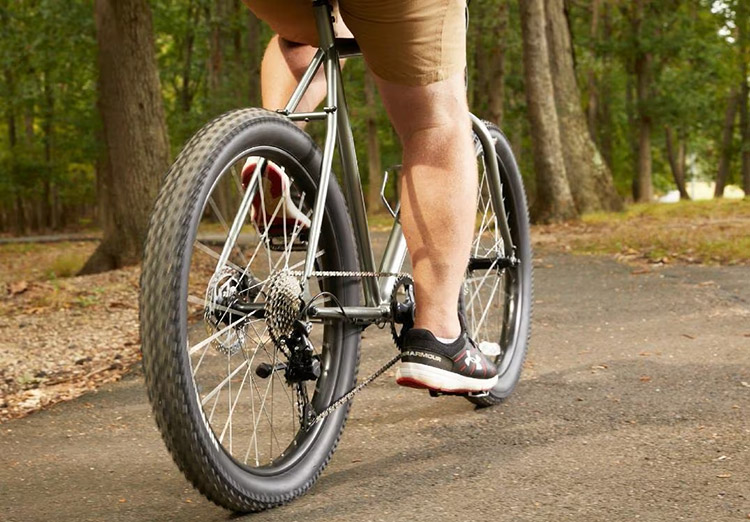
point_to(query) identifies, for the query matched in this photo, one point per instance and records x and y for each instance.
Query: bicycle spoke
(212, 253)
(223, 383)
(259, 432)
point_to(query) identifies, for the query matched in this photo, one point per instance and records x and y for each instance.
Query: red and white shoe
(281, 214)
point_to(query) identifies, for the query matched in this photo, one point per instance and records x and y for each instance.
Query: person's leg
(290, 51)
(417, 52)
(283, 65)
(438, 193)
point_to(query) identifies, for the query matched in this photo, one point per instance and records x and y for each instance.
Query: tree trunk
(47, 218)
(744, 93)
(726, 143)
(374, 164)
(592, 108)
(216, 58)
(496, 86)
(743, 43)
(489, 35)
(676, 161)
(554, 201)
(589, 177)
(604, 126)
(185, 91)
(644, 191)
(253, 66)
(134, 131)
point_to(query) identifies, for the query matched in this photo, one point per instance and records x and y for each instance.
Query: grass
(66, 265)
(42, 261)
(710, 232)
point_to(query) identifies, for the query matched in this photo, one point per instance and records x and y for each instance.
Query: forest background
(606, 102)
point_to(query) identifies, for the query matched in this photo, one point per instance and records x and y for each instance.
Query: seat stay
(496, 192)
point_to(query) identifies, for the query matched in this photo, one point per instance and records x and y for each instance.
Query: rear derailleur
(302, 365)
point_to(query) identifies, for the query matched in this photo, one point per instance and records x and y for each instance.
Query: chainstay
(350, 394)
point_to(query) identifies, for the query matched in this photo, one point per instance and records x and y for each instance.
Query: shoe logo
(473, 358)
(423, 355)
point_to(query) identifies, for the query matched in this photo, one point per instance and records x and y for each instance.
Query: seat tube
(354, 197)
(338, 125)
(325, 31)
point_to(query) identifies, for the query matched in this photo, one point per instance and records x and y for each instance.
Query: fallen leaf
(640, 271)
(18, 287)
(645, 378)
(645, 354)
(122, 501)
(688, 336)
(723, 475)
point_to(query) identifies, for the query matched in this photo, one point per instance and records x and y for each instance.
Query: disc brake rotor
(222, 292)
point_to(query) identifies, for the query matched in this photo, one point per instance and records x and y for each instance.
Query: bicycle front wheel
(497, 299)
(236, 422)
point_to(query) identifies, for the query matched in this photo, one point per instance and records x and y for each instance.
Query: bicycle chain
(354, 391)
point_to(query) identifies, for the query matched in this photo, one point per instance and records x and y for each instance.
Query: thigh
(414, 42)
(293, 20)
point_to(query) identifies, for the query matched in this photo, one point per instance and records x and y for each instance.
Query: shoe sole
(415, 375)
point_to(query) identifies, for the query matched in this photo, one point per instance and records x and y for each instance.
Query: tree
(725, 160)
(134, 131)
(374, 163)
(642, 68)
(489, 27)
(589, 177)
(554, 201)
(742, 21)
(677, 160)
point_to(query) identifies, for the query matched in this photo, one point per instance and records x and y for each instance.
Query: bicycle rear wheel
(497, 300)
(235, 421)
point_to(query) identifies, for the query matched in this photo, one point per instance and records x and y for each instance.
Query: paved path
(635, 404)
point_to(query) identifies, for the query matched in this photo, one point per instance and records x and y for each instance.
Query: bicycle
(251, 338)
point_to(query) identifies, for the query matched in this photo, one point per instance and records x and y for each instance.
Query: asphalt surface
(635, 404)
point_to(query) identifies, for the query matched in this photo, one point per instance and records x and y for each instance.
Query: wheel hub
(224, 290)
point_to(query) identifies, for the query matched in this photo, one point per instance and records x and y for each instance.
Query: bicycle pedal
(436, 393)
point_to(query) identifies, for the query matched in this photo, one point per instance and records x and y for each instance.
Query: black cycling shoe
(459, 367)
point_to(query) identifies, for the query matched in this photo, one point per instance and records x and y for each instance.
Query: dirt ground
(61, 337)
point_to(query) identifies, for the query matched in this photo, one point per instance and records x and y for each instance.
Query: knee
(442, 130)
(438, 111)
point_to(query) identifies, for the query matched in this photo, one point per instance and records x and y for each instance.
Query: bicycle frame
(377, 291)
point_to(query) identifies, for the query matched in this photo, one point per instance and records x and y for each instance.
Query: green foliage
(209, 54)
(47, 99)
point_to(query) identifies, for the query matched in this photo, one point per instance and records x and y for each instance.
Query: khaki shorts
(409, 42)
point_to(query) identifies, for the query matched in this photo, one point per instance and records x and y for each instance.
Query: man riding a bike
(416, 51)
